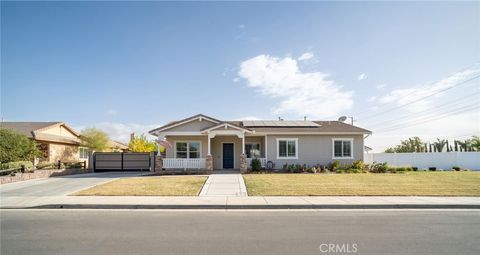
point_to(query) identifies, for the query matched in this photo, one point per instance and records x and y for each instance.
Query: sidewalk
(226, 202)
(224, 185)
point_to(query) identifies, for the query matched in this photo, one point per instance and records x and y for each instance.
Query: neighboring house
(198, 140)
(56, 140)
(117, 146)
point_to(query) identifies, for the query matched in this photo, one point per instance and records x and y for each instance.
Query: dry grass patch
(407, 184)
(148, 186)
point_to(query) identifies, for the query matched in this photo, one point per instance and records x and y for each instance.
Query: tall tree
(475, 143)
(412, 144)
(16, 147)
(95, 139)
(440, 144)
(142, 144)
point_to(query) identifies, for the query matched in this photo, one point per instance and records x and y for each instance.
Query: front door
(228, 155)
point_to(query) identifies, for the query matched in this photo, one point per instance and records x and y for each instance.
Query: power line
(412, 102)
(457, 111)
(454, 102)
(431, 84)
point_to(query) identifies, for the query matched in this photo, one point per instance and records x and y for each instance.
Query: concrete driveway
(24, 192)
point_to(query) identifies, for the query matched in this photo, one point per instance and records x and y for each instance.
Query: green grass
(406, 184)
(148, 186)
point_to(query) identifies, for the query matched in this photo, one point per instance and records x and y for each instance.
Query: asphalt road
(238, 232)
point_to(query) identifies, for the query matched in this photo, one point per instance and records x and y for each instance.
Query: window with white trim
(187, 149)
(287, 148)
(342, 148)
(252, 150)
(82, 152)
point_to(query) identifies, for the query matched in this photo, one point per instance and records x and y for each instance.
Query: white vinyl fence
(440, 160)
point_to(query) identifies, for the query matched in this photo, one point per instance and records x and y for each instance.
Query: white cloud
(306, 56)
(120, 131)
(362, 77)
(301, 93)
(241, 26)
(381, 86)
(419, 98)
(372, 99)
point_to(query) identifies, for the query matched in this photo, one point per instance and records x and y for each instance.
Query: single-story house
(201, 141)
(56, 140)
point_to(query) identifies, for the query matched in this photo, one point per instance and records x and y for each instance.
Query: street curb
(233, 207)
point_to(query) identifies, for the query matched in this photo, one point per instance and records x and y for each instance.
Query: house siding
(170, 152)
(313, 149)
(192, 126)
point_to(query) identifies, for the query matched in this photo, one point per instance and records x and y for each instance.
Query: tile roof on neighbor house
(279, 126)
(33, 130)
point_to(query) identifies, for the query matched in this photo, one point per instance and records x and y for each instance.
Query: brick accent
(209, 163)
(41, 174)
(158, 164)
(243, 163)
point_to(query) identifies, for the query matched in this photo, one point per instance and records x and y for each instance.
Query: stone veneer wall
(41, 174)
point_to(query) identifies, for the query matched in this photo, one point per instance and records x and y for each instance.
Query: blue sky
(126, 66)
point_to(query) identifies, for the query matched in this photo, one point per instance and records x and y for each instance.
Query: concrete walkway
(232, 202)
(224, 185)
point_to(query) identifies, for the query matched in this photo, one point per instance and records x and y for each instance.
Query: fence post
(152, 161)
(121, 160)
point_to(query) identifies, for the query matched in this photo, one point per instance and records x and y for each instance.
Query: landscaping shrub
(357, 165)
(432, 169)
(256, 164)
(456, 168)
(17, 165)
(334, 165)
(400, 169)
(340, 171)
(378, 167)
(392, 169)
(47, 165)
(414, 168)
(408, 169)
(16, 147)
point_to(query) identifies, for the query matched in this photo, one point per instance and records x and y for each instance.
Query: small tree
(142, 144)
(412, 144)
(16, 147)
(95, 139)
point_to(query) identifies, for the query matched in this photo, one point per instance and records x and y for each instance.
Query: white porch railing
(263, 162)
(184, 163)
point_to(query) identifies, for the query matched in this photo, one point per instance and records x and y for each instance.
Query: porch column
(208, 144)
(266, 147)
(243, 143)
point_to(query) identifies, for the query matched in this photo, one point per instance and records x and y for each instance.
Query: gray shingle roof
(27, 128)
(33, 130)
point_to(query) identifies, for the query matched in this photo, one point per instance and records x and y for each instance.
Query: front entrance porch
(224, 147)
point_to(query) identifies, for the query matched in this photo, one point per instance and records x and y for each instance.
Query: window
(287, 148)
(187, 150)
(342, 148)
(82, 153)
(252, 150)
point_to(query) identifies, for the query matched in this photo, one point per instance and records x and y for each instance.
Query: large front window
(187, 149)
(252, 150)
(342, 148)
(287, 148)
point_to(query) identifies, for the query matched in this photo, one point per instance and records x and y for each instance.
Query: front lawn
(406, 184)
(148, 186)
